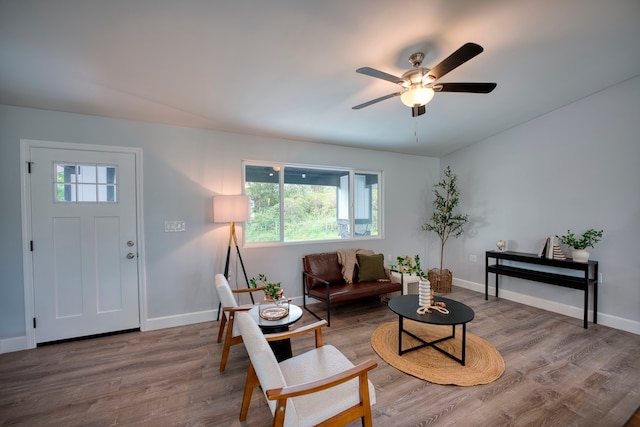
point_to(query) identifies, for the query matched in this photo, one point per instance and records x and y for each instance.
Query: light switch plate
(173, 226)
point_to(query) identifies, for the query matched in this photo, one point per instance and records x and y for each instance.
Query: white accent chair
(319, 387)
(229, 309)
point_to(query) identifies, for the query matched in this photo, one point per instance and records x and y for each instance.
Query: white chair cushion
(224, 292)
(262, 357)
(313, 365)
(227, 299)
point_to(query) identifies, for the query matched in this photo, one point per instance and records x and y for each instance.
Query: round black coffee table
(406, 306)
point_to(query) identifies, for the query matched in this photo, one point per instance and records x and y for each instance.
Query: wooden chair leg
(365, 400)
(251, 383)
(228, 342)
(278, 417)
(366, 418)
(225, 355)
(223, 322)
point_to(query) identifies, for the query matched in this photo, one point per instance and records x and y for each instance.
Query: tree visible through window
(294, 203)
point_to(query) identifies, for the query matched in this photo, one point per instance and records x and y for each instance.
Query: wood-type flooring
(557, 374)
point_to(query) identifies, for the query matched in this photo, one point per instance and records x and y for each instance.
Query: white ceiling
(286, 68)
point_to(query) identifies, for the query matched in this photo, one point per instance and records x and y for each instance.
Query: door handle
(131, 255)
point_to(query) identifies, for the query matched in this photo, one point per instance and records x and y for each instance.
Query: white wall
(574, 168)
(183, 169)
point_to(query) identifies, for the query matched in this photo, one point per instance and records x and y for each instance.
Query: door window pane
(85, 183)
(87, 174)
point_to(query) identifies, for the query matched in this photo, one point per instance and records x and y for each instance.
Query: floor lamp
(232, 209)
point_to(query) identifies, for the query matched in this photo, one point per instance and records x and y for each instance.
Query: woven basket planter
(441, 280)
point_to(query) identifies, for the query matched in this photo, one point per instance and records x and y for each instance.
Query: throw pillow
(371, 267)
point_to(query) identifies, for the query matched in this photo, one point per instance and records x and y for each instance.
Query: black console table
(588, 277)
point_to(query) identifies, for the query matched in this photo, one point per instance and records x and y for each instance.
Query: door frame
(27, 256)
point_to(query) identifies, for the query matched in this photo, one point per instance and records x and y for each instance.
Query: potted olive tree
(445, 222)
(589, 239)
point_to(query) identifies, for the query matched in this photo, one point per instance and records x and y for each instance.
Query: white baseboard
(9, 345)
(20, 343)
(190, 318)
(180, 320)
(567, 310)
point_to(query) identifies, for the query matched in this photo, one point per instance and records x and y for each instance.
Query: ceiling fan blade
(373, 101)
(465, 87)
(372, 72)
(457, 58)
(418, 110)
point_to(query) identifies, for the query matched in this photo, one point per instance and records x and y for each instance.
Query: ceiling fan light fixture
(428, 79)
(417, 96)
(420, 83)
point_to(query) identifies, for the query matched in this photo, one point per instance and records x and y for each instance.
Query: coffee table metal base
(405, 306)
(424, 344)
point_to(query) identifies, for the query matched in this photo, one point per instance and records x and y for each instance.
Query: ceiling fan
(419, 84)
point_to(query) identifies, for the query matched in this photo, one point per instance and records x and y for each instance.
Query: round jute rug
(483, 363)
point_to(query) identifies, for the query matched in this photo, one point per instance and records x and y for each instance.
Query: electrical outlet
(599, 277)
(473, 258)
(173, 226)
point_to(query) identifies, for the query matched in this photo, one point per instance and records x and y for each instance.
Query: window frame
(352, 221)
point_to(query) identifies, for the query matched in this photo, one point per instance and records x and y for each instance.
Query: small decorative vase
(274, 308)
(580, 255)
(425, 293)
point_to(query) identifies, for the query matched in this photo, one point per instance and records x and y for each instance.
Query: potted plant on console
(589, 239)
(445, 223)
(274, 305)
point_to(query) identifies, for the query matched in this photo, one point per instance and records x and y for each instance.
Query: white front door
(85, 263)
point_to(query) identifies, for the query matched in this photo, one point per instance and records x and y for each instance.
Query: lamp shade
(231, 208)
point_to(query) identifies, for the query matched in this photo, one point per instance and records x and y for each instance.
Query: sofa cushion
(371, 267)
(325, 266)
(349, 262)
(355, 291)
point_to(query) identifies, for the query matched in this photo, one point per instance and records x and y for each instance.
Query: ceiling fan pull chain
(415, 128)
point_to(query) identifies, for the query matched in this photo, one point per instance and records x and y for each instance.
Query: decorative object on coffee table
(425, 299)
(501, 245)
(457, 314)
(410, 271)
(445, 223)
(589, 239)
(274, 305)
(425, 294)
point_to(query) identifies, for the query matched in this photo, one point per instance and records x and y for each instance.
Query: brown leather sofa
(322, 280)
